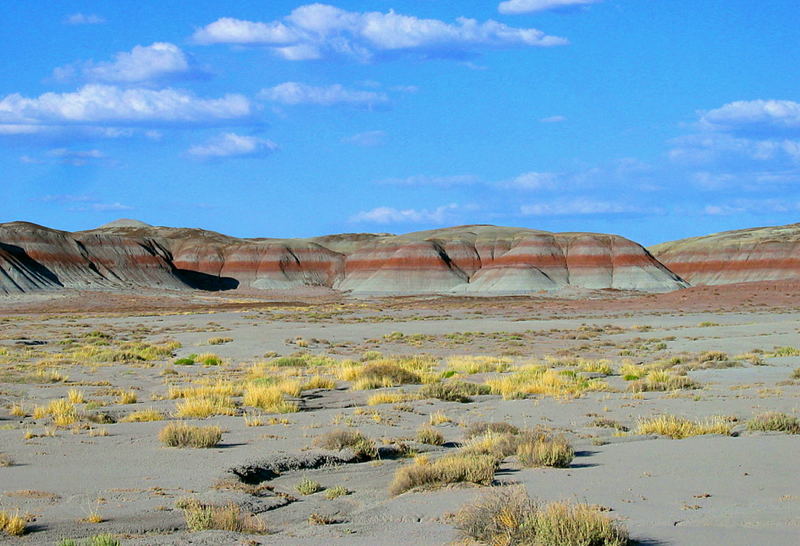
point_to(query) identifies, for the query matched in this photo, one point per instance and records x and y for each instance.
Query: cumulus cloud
(513, 7)
(233, 145)
(97, 104)
(84, 19)
(367, 139)
(317, 31)
(576, 207)
(158, 62)
(389, 215)
(553, 119)
(758, 115)
(293, 93)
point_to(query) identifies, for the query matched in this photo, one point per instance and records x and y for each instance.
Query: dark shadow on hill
(29, 264)
(204, 281)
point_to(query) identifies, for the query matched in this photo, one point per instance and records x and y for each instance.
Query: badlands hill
(466, 259)
(745, 255)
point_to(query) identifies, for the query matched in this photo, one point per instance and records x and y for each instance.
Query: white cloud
(158, 62)
(84, 19)
(710, 147)
(512, 7)
(233, 145)
(293, 93)
(97, 104)
(532, 181)
(105, 207)
(425, 180)
(228, 30)
(579, 206)
(317, 31)
(367, 139)
(754, 114)
(389, 215)
(553, 119)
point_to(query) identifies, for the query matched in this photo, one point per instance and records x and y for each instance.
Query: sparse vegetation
(219, 340)
(429, 435)
(659, 380)
(308, 487)
(539, 380)
(775, 422)
(336, 492)
(545, 451)
(184, 435)
(143, 416)
(12, 524)
(270, 398)
(678, 427)
(229, 517)
(453, 391)
(506, 516)
(361, 446)
(478, 469)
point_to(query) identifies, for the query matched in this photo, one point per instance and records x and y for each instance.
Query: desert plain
(661, 400)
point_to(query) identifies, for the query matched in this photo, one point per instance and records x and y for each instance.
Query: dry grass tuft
(660, 380)
(200, 408)
(507, 516)
(775, 422)
(545, 451)
(539, 380)
(270, 398)
(229, 517)
(430, 436)
(453, 391)
(307, 486)
(677, 427)
(12, 524)
(469, 365)
(336, 440)
(184, 435)
(438, 418)
(478, 469)
(143, 416)
(390, 398)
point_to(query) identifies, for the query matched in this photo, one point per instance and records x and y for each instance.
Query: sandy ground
(742, 488)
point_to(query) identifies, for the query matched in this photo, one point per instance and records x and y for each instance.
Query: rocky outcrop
(746, 255)
(466, 259)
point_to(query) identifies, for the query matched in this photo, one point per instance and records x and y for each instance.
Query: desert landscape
(374, 396)
(392, 272)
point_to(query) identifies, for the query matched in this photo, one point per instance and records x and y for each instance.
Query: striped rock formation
(466, 259)
(745, 255)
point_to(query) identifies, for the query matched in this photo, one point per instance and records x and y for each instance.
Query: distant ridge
(125, 222)
(743, 255)
(475, 259)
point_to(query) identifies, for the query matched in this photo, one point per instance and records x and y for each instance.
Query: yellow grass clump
(478, 469)
(270, 398)
(12, 524)
(538, 380)
(201, 408)
(75, 396)
(678, 427)
(143, 416)
(507, 515)
(219, 388)
(61, 411)
(438, 418)
(127, 397)
(184, 435)
(319, 382)
(477, 364)
(390, 398)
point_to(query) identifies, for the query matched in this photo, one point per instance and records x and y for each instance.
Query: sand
(741, 488)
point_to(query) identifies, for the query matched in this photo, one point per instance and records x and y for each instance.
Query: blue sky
(653, 120)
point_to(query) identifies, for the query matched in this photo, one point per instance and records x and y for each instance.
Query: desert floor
(83, 470)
